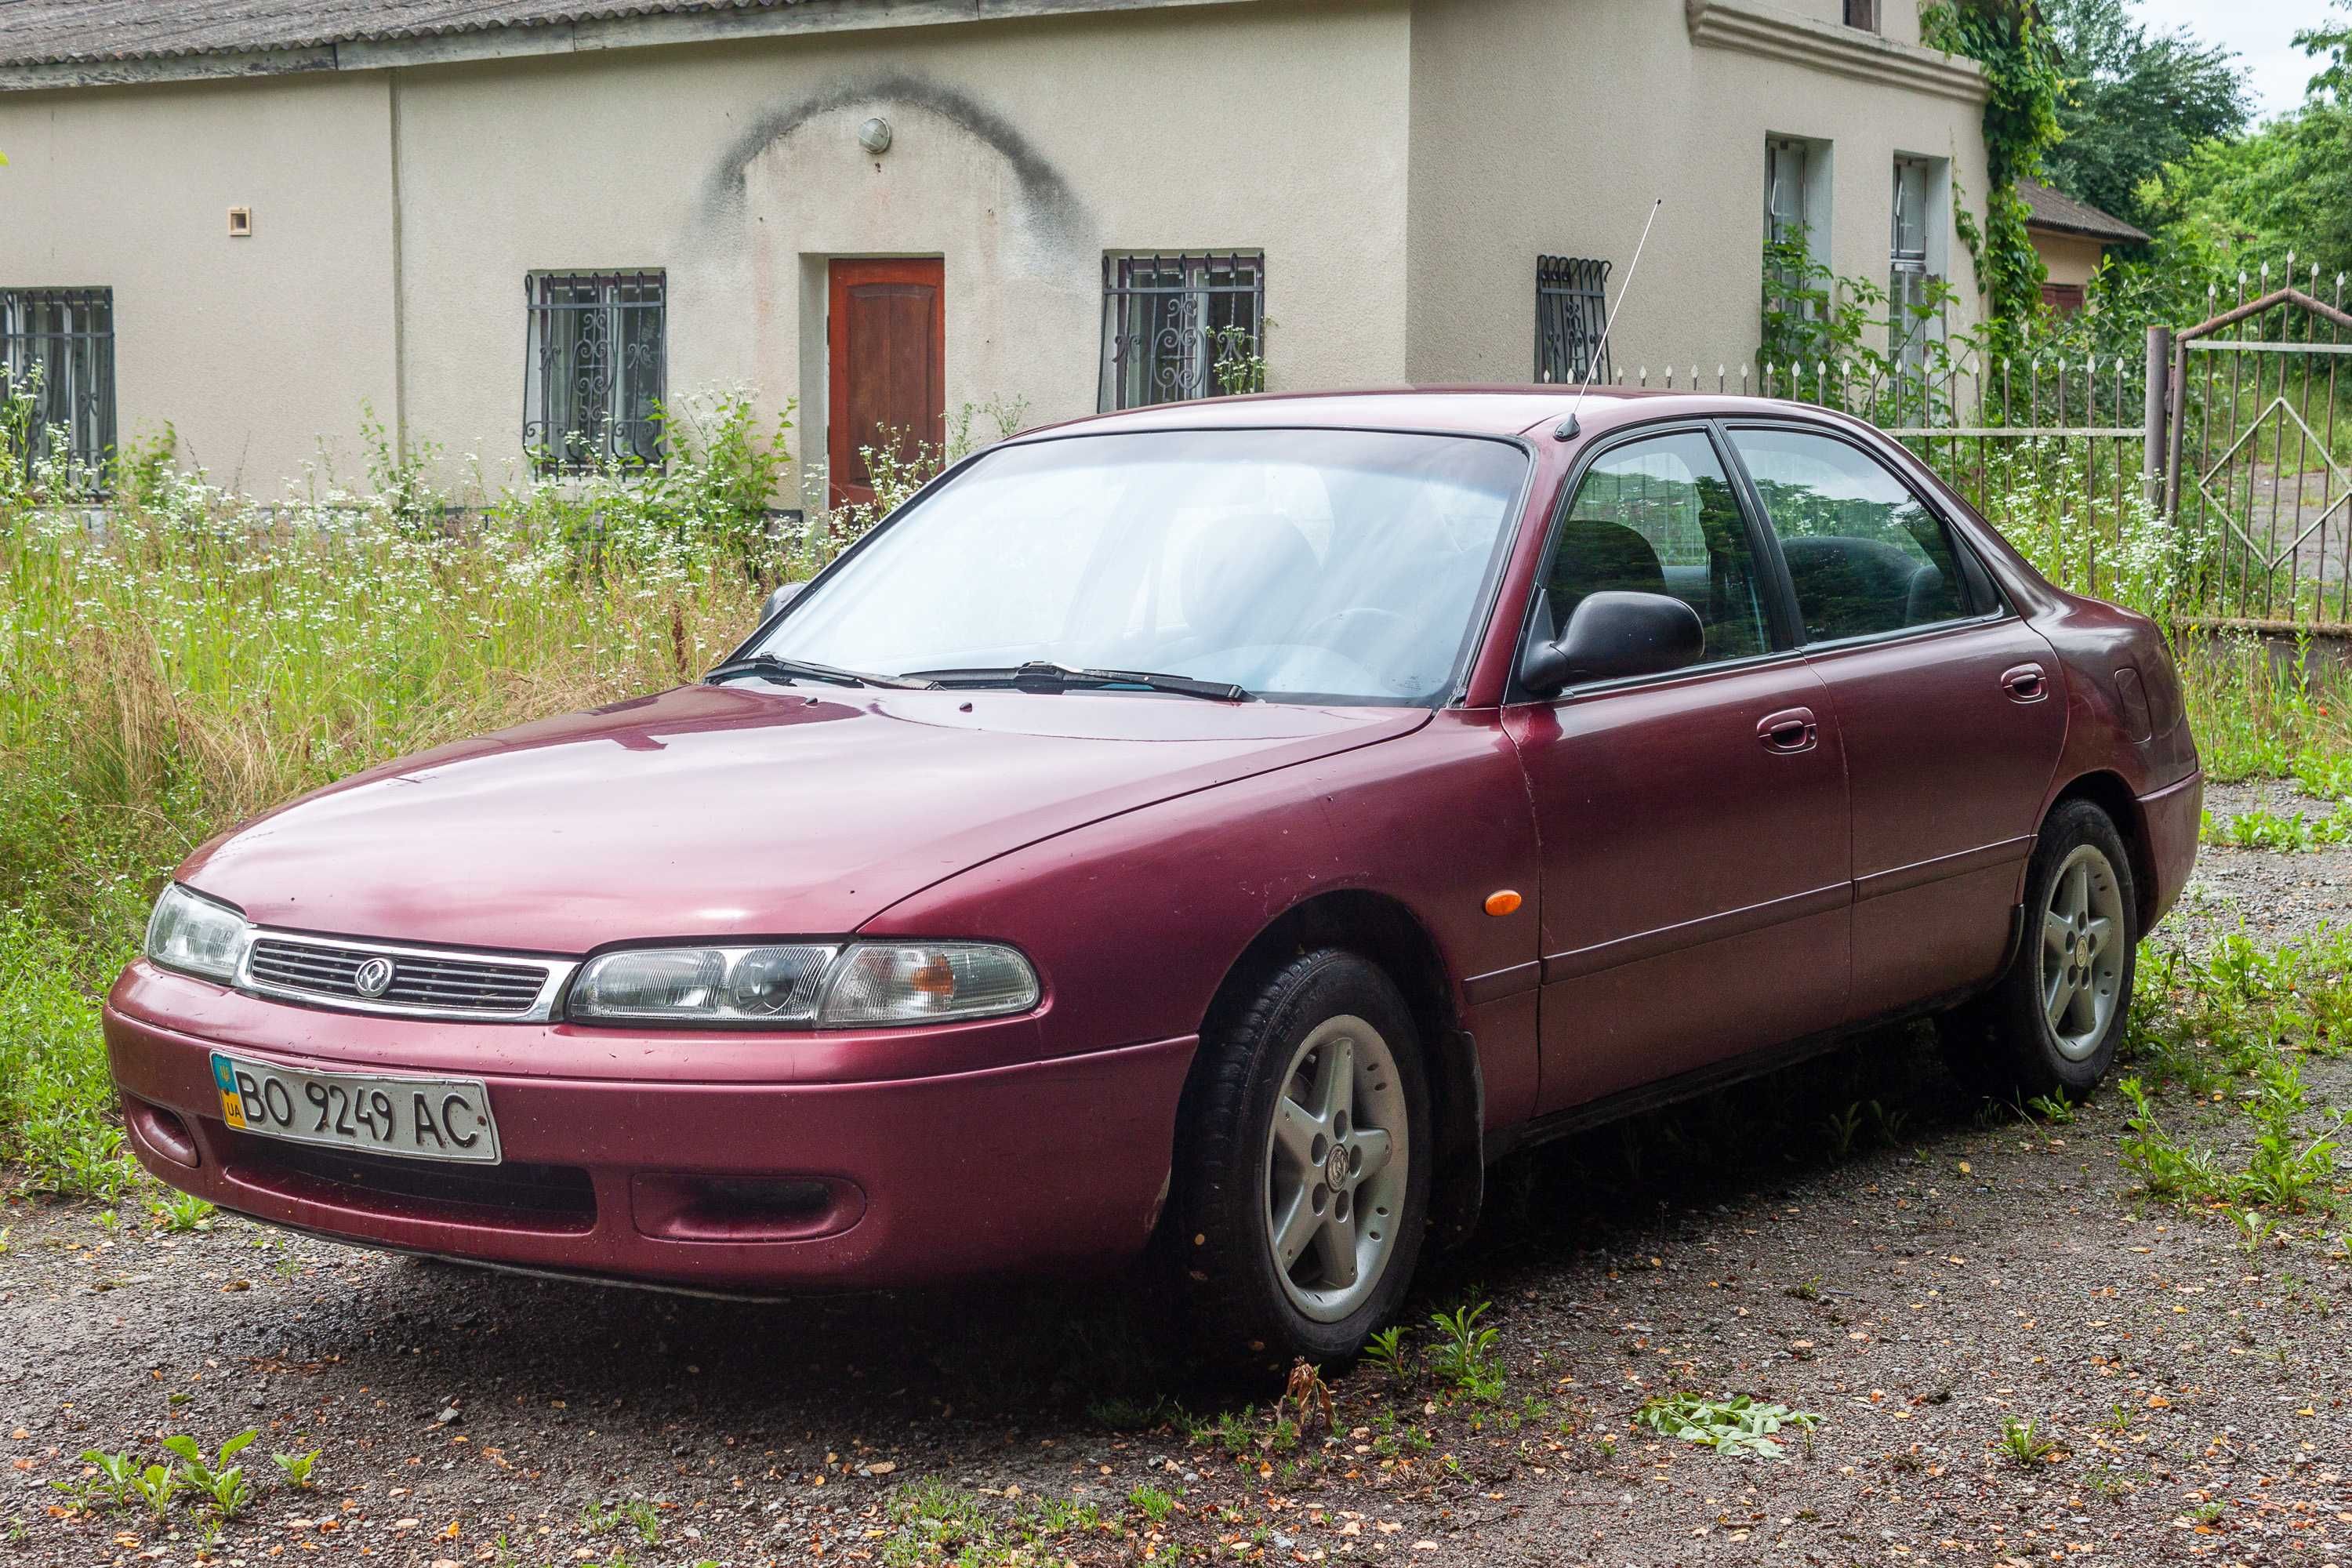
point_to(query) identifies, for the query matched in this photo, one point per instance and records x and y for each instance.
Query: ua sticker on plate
(224, 1080)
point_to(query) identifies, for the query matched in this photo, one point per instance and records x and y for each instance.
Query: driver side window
(1659, 516)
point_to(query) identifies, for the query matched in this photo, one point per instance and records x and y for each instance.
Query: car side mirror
(1614, 635)
(783, 596)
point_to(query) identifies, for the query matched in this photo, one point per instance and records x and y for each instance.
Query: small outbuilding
(2072, 239)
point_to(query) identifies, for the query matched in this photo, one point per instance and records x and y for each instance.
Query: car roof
(1472, 410)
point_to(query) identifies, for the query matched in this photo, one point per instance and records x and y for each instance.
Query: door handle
(1790, 731)
(2025, 683)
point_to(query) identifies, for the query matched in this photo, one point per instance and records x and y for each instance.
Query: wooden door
(887, 333)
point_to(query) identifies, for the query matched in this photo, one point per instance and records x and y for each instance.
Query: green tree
(2334, 78)
(2283, 187)
(2135, 102)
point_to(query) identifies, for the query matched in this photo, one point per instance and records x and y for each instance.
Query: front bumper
(718, 1161)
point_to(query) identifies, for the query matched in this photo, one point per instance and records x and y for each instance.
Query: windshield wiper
(1041, 676)
(777, 668)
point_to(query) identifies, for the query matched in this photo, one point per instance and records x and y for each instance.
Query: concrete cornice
(558, 38)
(1755, 28)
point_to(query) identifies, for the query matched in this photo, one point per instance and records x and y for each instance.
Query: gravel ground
(1947, 1272)
(2272, 897)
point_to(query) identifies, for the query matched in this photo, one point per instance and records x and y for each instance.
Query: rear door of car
(1691, 825)
(1948, 703)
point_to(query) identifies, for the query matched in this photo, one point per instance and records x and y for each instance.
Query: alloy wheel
(1337, 1160)
(2081, 958)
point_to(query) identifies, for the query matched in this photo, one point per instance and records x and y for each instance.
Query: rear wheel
(1304, 1172)
(2052, 1023)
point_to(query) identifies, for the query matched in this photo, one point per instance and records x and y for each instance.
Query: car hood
(741, 810)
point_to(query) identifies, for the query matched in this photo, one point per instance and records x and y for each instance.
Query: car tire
(2052, 1023)
(1326, 1045)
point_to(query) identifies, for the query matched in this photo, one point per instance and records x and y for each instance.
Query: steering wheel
(1344, 622)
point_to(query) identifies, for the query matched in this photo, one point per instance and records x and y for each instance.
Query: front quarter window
(1658, 516)
(1309, 565)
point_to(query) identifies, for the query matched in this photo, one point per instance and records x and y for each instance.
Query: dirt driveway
(1850, 1239)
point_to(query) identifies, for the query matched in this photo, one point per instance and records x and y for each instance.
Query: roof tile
(60, 32)
(2056, 210)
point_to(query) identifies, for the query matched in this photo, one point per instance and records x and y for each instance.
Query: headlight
(917, 983)
(803, 985)
(191, 933)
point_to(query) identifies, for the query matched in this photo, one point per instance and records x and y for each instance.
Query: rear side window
(1865, 555)
(1658, 516)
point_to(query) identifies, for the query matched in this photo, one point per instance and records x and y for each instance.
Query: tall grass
(184, 659)
(2263, 712)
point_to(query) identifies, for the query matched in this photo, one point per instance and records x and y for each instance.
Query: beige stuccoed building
(512, 224)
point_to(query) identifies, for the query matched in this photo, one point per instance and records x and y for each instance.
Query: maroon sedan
(1236, 824)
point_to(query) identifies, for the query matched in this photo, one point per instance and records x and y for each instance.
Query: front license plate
(422, 1118)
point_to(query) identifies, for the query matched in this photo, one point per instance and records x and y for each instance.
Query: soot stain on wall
(1052, 210)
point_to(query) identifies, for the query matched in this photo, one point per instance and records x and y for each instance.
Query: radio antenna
(1566, 429)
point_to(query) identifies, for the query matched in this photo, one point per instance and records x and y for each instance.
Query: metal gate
(2257, 475)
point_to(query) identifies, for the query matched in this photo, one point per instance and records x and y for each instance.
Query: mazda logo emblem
(373, 978)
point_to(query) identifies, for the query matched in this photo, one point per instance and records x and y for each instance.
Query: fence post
(2155, 428)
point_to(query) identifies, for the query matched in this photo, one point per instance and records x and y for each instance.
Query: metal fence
(2052, 449)
(2209, 475)
(2257, 456)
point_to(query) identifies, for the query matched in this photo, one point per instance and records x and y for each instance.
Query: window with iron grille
(1177, 327)
(60, 341)
(1572, 316)
(1910, 283)
(593, 380)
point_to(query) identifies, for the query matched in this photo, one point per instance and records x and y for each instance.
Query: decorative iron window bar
(1572, 317)
(596, 372)
(1182, 326)
(59, 345)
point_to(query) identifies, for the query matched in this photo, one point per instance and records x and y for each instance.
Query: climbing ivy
(2020, 57)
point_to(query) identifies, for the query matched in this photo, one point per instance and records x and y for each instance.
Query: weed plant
(1736, 1426)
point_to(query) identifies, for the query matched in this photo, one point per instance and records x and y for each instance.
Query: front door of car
(1692, 825)
(1949, 704)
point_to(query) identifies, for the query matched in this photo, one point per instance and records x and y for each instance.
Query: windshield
(1307, 565)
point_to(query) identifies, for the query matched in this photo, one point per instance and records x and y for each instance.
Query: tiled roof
(59, 31)
(2056, 210)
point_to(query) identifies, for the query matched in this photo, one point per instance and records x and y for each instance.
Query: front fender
(1135, 921)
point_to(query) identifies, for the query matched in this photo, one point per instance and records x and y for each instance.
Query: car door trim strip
(1494, 985)
(1633, 949)
(1918, 873)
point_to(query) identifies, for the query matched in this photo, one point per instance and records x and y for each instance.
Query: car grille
(432, 983)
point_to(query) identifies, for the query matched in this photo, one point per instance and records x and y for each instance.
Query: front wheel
(2052, 1023)
(1304, 1168)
